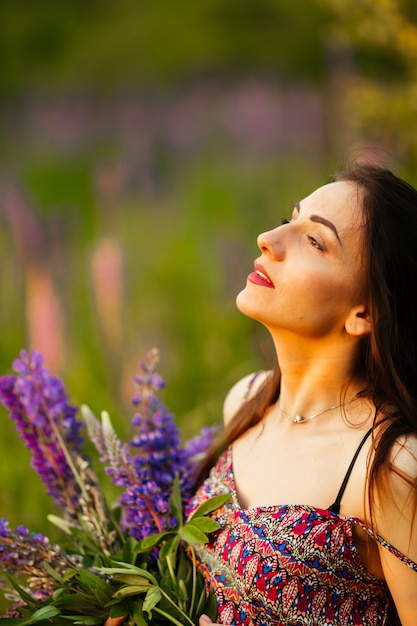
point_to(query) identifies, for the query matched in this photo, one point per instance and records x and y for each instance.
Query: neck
(316, 375)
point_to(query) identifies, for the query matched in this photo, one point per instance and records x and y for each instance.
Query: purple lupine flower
(38, 403)
(158, 438)
(195, 451)
(23, 553)
(19, 547)
(147, 472)
(145, 509)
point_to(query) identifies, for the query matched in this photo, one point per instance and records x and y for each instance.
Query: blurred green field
(183, 255)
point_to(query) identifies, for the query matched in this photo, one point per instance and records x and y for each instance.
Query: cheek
(341, 279)
(327, 293)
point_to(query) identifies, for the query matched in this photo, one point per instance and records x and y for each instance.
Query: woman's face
(310, 275)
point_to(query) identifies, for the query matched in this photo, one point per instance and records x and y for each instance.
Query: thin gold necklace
(300, 419)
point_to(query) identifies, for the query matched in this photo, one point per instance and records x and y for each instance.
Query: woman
(304, 540)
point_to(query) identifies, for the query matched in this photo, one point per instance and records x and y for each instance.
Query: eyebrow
(322, 220)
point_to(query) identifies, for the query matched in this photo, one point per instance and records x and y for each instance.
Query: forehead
(339, 201)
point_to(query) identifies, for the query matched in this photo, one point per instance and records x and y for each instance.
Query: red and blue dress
(289, 565)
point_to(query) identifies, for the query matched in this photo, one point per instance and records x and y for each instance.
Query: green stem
(193, 589)
(169, 617)
(170, 568)
(176, 606)
(64, 448)
(174, 579)
(74, 470)
(117, 528)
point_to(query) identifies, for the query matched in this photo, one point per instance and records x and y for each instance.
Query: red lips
(260, 276)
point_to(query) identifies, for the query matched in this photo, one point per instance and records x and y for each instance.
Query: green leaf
(184, 570)
(176, 501)
(211, 505)
(131, 590)
(168, 617)
(124, 568)
(62, 620)
(146, 544)
(28, 599)
(45, 612)
(70, 573)
(202, 601)
(192, 535)
(151, 600)
(169, 547)
(57, 593)
(206, 524)
(76, 602)
(120, 609)
(183, 590)
(133, 579)
(137, 612)
(128, 554)
(92, 582)
(103, 595)
(60, 523)
(88, 620)
(210, 607)
(52, 573)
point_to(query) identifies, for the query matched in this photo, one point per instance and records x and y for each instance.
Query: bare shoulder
(241, 391)
(395, 510)
(404, 457)
(398, 488)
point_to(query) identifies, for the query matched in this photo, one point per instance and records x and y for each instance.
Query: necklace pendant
(299, 419)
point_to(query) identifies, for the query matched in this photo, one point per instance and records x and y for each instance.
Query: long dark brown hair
(387, 358)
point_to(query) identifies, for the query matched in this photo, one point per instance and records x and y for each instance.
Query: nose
(270, 242)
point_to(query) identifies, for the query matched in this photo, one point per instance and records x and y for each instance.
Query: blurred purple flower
(19, 548)
(38, 404)
(24, 553)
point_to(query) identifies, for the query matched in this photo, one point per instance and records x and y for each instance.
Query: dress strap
(335, 507)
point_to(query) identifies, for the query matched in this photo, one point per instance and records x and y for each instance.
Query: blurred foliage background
(144, 145)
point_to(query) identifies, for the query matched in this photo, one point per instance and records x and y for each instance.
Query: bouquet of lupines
(133, 562)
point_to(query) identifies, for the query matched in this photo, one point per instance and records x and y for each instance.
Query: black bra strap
(335, 507)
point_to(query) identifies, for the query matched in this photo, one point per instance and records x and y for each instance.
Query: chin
(245, 304)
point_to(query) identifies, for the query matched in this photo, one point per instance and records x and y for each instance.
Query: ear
(358, 323)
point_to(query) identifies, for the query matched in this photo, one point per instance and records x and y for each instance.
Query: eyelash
(311, 239)
(315, 243)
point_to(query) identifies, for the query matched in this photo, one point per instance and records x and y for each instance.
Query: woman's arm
(396, 521)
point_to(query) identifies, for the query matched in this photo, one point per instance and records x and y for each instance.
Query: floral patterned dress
(289, 565)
